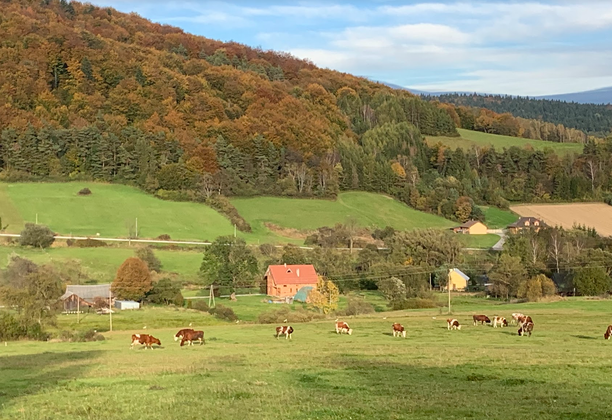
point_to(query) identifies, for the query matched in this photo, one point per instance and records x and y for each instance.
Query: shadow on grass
(33, 373)
(585, 337)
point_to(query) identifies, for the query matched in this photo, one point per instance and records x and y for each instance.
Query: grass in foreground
(562, 371)
(469, 138)
(112, 209)
(370, 210)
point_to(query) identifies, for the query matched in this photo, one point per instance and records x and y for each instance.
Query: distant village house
(457, 280)
(473, 227)
(286, 280)
(529, 223)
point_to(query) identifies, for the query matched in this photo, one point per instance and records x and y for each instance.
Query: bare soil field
(594, 215)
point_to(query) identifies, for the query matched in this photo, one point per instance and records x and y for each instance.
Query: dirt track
(595, 215)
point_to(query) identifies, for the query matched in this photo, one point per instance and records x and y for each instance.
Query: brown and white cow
(343, 327)
(608, 332)
(481, 318)
(398, 330)
(453, 324)
(523, 318)
(499, 320)
(285, 330)
(146, 339)
(191, 336)
(179, 335)
(526, 328)
(516, 316)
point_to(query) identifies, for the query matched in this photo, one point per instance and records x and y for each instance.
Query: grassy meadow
(479, 241)
(370, 210)
(101, 264)
(561, 372)
(111, 210)
(469, 138)
(496, 218)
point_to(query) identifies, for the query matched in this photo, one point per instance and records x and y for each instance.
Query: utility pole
(449, 292)
(78, 310)
(36, 218)
(234, 230)
(136, 233)
(110, 309)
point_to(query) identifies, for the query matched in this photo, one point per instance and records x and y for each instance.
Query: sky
(516, 48)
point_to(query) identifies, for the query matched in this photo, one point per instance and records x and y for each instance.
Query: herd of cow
(188, 335)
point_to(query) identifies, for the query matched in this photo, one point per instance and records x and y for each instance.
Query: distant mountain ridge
(601, 96)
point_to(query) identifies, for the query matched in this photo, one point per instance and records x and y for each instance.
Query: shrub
(175, 195)
(148, 256)
(133, 280)
(225, 207)
(164, 237)
(278, 316)
(39, 236)
(85, 191)
(592, 281)
(81, 336)
(86, 243)
(164, 292)
(199, 305)
(223, 312)
(10, 329)
(357, 306)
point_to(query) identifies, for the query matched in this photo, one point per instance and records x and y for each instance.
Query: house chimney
(298, 272)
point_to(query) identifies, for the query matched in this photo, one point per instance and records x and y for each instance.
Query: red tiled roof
(289, 274)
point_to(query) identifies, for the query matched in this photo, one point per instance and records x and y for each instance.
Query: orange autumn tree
(133, 280)
(325, 297)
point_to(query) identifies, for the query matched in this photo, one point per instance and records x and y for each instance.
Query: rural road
(502, 238)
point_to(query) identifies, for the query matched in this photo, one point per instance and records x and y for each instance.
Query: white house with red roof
(285, 280)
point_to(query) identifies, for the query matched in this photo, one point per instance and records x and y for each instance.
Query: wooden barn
(83, 297)
(286, 280)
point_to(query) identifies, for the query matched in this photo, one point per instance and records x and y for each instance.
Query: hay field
(594, 215)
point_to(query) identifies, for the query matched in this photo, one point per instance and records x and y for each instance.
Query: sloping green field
(469, 138)
(111, 210)
(370, 210)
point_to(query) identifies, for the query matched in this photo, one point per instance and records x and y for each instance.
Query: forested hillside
(91, 93)
(590, 118)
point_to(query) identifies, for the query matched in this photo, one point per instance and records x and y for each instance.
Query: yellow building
(473, 227)
(458, 280)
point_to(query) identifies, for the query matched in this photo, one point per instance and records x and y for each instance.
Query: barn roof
(87, 292)
(469, 224)
(293, 274)
(523, 221)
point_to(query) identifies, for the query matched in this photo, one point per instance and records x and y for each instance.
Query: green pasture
(370, 210)
(101, 264)
(243, 371)
(469, 138)
(111, 211)
(478, 241)
(496, 218)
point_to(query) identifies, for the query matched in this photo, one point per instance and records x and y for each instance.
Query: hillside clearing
(469, 138)
(243, 371)
(370, 210)
(496, 218)
(593, 215)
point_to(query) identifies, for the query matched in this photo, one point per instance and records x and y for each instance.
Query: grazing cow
(524, 318)
(481, 318)
(285, 330)
(146, 339)
(453, 324)
(501, 321)
(608, 332)
(398, 330)
(526, 328)
(179, 335)
(191, 336)
(343, 327)
(516, 316)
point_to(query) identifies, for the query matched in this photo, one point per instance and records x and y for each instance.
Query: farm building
(526, 223)
(126, 304)
(473, 227)
(286, 280)
(81, 297)
(458, 280)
